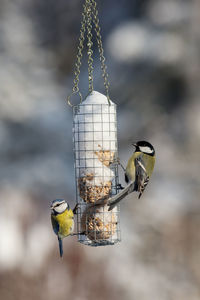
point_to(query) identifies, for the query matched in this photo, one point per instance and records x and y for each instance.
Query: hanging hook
(70, 96)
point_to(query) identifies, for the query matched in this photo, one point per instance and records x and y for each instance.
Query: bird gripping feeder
(95, 146)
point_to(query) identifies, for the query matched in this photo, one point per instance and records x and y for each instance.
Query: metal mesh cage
(96, 170)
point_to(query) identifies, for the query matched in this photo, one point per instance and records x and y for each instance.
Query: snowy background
(153, 56)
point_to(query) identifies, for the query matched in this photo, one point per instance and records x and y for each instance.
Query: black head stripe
(144, 144)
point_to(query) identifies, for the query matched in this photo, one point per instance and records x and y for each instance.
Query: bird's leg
(119, 186)
(77, 233)
(117, 161)
(75, 209)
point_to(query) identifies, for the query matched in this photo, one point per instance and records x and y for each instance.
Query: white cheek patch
(146, 149)
(61, 208)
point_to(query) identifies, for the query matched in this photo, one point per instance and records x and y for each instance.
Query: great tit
(62, 219)
(140, 166)
(138, 171)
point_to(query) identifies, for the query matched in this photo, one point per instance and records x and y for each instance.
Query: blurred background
(153, 56)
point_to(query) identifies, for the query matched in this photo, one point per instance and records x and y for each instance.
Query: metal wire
(86, 159)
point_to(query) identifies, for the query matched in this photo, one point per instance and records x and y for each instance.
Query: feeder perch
(96, 171)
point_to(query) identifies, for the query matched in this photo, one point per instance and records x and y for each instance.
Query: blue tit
(138, 171)
(62, 219)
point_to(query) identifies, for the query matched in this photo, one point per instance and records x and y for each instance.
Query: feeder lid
(96, 98)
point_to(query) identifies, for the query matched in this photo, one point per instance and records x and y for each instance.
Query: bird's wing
(55, 225)
(141, 177)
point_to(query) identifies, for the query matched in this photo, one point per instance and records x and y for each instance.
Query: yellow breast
(66, 223)
(148, 161)
(130, 169)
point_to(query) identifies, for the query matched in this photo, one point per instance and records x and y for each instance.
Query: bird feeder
(95, 148)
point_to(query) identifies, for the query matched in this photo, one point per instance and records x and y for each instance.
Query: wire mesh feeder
(96, 170)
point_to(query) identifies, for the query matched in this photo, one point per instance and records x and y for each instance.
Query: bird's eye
(58, 204)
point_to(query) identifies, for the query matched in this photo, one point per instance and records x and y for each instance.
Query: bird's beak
(134, 145)
(51, 207)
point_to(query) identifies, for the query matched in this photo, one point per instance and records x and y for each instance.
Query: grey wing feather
(141, 177)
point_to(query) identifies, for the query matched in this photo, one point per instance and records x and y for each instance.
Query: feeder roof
(96, 98)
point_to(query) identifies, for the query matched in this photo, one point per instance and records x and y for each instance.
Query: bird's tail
(112, 202)
(60, 246)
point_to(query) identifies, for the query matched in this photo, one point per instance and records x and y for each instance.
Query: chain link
(89, 44)
(78, 63)
(89, 16)
(79, 55)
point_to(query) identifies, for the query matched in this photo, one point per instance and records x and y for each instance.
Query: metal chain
(78, 63)
(100, 47)
(89, 44)
(90, 13)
